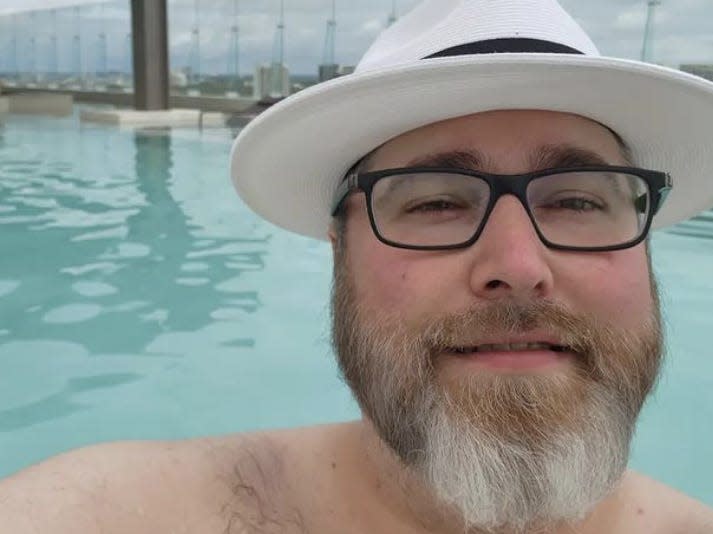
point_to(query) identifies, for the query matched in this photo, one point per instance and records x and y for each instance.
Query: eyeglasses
(593, 208)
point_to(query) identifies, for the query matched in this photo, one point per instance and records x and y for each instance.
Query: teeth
(509, 347)
(514, 347)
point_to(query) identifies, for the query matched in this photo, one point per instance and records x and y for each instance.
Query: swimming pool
(140, 299)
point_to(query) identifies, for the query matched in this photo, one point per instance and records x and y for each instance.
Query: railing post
(150, 53)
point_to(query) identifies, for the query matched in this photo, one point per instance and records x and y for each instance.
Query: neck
(402, 499)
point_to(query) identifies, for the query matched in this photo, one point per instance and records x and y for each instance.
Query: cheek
(615, 286)
(385, 278)
(407, 284)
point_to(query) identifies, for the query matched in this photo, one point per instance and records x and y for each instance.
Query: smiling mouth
(513, 357)
(508, 347)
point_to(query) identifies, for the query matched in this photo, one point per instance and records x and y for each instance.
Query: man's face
(502, 432)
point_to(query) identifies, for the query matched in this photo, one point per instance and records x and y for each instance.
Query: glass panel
(266, 50)
(205, 47)
(250, 48)
(80, 47)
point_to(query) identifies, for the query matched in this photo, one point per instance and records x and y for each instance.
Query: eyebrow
(565, 156)
(545, 157)
(455, 159)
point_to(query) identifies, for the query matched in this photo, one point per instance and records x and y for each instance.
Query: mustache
(604, 352)
(579, 333)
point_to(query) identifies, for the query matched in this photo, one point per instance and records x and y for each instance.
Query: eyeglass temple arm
(641, 202)
(348, 184)
(664, 191)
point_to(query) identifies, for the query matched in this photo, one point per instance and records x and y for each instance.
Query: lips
(508, 347)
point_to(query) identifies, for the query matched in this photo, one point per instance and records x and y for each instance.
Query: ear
(332, 234)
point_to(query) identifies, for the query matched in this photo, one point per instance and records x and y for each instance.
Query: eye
(573, 201)
(435, 205)
(576, 204)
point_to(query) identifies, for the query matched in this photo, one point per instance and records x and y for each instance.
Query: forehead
(509, 141)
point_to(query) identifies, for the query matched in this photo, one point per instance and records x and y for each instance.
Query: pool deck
(37, 103)
(143, 119)
(186, 110)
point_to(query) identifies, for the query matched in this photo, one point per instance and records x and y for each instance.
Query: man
(494, 308)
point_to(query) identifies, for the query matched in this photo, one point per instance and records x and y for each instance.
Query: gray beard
(509, 454)
(501, 484)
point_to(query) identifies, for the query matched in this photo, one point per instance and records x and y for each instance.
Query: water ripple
(72, 313)
(8, 286)
(60, 404)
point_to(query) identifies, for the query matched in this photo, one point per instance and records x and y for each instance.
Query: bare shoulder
(668, 510)
(119, 487)
(224, 484)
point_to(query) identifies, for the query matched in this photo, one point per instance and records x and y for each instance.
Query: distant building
(271, 81)
(178, 78)
(704, 71)
(328, 72)
(331, 71)
(346, 69)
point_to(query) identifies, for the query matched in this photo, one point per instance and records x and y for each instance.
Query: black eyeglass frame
(659, 185)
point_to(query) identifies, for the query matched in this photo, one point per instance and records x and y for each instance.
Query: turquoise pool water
(140, 299)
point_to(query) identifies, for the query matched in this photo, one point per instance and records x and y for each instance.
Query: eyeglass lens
(576, 209)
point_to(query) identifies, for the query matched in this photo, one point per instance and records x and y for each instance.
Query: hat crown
(437, 25)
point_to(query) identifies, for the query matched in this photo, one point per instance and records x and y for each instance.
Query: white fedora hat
(449, 58)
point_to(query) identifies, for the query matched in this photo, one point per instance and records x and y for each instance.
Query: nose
(509, 260)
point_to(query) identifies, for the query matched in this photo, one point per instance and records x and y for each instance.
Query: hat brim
(287, 163)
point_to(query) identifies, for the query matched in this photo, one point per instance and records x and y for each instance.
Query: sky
(683, 31)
